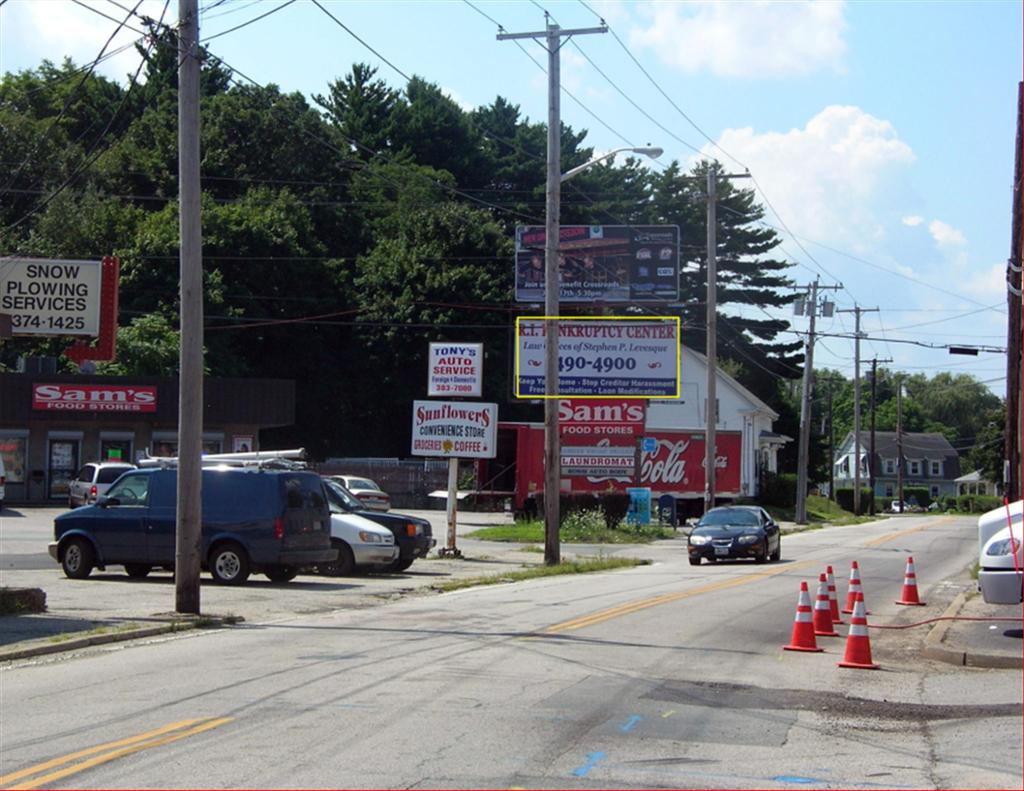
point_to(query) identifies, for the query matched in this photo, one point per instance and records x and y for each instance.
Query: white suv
(93, 480)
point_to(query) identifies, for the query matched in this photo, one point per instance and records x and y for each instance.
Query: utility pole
(805, 404)
(711, 344)
(831, 449)
(871, 448)
(899, 441)
(1013, 472)
(552, 36)
(190, 376)
(711, 347)
(857, 310)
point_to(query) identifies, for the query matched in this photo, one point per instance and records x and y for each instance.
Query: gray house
(928, 460)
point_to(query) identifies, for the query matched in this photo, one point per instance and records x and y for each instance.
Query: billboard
(51, 297)
(600, 357)
(453, 429)
(607, 263)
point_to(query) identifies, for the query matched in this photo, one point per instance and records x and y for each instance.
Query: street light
(651, 151)
(552, 442)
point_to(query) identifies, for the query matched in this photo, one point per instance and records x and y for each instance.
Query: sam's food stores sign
(46, 297)
(93, 398)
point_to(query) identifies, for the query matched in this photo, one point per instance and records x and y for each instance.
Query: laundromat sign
(93, 398)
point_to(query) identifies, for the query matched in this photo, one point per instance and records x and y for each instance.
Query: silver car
(93, 480)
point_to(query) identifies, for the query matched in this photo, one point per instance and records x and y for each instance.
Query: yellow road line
(900, 533)
(160, 736)
(643, 604)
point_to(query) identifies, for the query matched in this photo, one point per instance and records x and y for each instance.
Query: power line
(251, 21)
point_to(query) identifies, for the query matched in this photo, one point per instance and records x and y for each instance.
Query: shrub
(917, 495)
(844, 499)
(778, 489)
(615, 505)
(977, 503)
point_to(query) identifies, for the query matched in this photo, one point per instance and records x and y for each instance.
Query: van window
(303, 491)
(110, 474)
(131, 490)
(85, 474)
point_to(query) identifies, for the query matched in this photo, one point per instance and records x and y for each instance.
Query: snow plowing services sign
(600, 357)
(45, 297)
(454, 430)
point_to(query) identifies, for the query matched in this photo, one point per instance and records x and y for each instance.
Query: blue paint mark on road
(592, 759)
(630, 724)
(797, 779)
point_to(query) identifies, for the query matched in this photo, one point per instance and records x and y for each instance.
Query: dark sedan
(735, 531)
(413, 535)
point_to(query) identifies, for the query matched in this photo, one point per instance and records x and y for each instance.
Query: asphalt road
(659, 676)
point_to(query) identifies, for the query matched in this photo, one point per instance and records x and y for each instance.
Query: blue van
(254, 520)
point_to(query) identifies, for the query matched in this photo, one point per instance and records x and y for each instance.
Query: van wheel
(281, 573)
(229, 565)
(344, 566)
(78, 559)
(401, 565)
(137, 571)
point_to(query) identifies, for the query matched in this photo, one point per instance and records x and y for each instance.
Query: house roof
(930, 444)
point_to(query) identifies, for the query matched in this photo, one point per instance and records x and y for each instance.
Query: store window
(62, 458)
(167, 444)
(14, 450)
(116, 450)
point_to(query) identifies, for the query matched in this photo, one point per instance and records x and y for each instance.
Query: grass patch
(533, 532)
(568, 567)
(65, 636)
(821, 509)
(975, 568)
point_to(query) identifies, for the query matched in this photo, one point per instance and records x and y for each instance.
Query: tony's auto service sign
(455, 430)
(93, 398)
(456, 369)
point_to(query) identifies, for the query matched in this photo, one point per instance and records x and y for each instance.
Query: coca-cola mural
(676, 465)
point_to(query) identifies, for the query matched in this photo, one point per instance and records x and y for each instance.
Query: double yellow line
(654, 601)
(104, 753)
(900, 533)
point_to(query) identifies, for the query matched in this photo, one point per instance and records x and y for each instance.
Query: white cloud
(988, 285)
(70, 30)
(913, 220)
(946, 235)
(455, 97)
(831, 180)
(757, 38)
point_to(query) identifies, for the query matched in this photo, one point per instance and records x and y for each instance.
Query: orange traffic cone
(858, 646)
(803, 627)
(854, 589)
(822, 611)
(833, 600)
(910, 586)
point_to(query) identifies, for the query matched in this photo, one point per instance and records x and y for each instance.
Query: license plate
(721, 550)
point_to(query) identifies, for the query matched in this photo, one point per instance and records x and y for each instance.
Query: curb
(933, 648)
(75, 643)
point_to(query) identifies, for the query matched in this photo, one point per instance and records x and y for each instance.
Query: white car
(361, 544)
(93, 480)
(369, 493)
(1001, 561)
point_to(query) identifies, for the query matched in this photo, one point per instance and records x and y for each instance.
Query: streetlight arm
(652, 152)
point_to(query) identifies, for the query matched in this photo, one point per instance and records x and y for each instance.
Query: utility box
(667, 510)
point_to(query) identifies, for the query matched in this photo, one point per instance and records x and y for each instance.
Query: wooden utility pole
(831, 449)
(871, 448)
(899, 441)
(190, 377)
(711, 403)
(1013, 472)
(803, 449)
(856, 311)
(552, 36)
(711, 343)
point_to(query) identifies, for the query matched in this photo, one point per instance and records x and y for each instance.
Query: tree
(148, 346)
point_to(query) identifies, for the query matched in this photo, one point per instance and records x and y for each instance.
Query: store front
(51, 425)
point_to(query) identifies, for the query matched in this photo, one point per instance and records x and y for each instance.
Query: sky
(880, 135)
